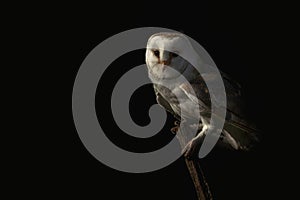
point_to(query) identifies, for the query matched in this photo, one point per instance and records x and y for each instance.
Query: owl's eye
(174, 55)
(156, 53)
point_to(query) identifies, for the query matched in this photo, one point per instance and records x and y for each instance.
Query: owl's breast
(179, 102)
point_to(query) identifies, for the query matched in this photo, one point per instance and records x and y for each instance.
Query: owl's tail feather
(240, 135)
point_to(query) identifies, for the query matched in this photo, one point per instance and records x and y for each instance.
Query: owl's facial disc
(163, 55)
(164, 60)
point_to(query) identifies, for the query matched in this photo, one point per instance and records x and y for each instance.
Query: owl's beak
(166, 58)
(166, 62)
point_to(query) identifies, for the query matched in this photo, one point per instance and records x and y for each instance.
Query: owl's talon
(174, 130)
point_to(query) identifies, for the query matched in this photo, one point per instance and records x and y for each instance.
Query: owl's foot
(175, 129)
(191, 150)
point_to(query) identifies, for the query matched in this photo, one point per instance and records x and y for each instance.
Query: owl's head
(166, 49)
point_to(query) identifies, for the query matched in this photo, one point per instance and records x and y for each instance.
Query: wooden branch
(200, 184)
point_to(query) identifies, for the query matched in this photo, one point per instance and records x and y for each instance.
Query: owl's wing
(164, 103)
(198, 94)
(239, 133)
(233, 95)
(202, 96)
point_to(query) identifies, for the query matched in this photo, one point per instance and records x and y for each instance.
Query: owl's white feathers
(167, 51)
(168, 45)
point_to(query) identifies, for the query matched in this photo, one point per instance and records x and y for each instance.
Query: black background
(238, 39)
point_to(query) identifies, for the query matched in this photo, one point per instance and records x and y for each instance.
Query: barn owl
(237, 133)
